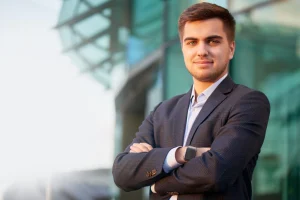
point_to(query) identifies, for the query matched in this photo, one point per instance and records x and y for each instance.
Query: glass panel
(96, 2)
(115, 40)
(154, 95)
(141, 13)
(93, 54)
(146, 31)
(123, 35)
(106, 12)
(69, 38)
(103, 41)
(118, 56)
(92, 25)
(237, 5)
(175, 9)
(67, 10)
(286, 13)
(222, 3)
(135, 50)
(82, 8)
(178, 80)
(105, 66)
(102, 77)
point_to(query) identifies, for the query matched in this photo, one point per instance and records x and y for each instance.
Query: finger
(135, 149)
(131, 151)
(148, 146)
(141, 147)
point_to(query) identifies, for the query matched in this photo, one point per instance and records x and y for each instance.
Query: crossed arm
(179, 153)
(236, 143)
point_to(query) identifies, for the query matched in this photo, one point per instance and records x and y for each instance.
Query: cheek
(220, 55)
(186, 56)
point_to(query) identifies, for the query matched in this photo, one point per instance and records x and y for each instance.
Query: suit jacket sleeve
(132, 171)
(237, 142)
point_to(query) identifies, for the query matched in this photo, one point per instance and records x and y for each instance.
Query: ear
(231, 49)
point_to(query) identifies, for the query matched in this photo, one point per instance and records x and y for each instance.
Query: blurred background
(77, 77)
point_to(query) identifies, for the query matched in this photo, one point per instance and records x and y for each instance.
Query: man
(203, 144)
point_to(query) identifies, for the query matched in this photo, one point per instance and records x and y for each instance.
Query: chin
(206, 77)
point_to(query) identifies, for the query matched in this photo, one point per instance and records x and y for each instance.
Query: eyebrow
(208, 38)
(189, 38)
(214, 37)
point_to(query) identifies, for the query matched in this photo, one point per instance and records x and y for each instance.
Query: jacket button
(153, 172)
(148, 174)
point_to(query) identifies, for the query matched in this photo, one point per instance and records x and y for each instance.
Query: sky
(53, 118)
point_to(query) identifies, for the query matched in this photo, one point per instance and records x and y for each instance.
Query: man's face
(206, 49)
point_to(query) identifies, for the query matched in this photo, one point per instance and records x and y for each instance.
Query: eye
(191, 43)
(213, 42)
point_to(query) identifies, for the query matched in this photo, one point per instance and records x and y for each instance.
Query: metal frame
(114, 45)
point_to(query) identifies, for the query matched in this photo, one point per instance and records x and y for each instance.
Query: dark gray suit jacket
(232, 122)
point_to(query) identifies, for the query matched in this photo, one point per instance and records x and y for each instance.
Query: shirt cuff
(174, 197)
(153, 188)
(170, 162)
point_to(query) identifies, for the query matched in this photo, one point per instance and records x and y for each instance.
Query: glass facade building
(132, 47)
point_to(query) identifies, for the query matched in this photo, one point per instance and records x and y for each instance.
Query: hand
(140, 147)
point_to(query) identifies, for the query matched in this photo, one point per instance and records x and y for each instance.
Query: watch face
(190, 153)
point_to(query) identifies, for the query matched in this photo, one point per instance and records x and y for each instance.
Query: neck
(199, 87)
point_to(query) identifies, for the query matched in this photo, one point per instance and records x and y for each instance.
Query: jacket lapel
(179, 118)
(212, 102)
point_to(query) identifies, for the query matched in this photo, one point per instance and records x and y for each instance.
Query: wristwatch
(190, 153)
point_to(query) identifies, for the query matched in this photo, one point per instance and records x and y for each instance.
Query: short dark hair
(203, 11)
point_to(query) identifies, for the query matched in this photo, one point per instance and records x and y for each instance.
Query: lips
(203, 62)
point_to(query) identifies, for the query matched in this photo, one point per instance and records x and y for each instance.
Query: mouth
(203, 63)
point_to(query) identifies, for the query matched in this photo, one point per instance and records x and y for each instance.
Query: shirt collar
(207, 92)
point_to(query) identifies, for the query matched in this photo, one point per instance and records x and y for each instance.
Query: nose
(202, 50)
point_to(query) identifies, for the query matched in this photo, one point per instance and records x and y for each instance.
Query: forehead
(204, 28)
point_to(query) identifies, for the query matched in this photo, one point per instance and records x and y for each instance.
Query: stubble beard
(211, 77)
